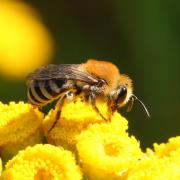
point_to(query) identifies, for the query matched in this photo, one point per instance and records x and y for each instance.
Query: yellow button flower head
(107, 152)
(76, 116)
(45, 162)
(155, 169)
(20, 125)
(167, 149)
(162, 163)
(25, 43)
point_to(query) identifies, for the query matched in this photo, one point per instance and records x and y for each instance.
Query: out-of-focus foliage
(141, 37)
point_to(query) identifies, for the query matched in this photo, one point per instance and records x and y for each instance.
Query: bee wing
(64, 71)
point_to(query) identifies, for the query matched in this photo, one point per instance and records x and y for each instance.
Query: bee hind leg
(59, 105)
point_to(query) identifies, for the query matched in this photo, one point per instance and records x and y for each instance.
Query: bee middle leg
(59, 105)
(92, 100)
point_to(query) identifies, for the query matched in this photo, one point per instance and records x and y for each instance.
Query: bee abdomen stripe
(37, 93)
(44, 91)
(31, 97)
(52, 88)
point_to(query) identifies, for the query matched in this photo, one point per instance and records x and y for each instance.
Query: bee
(95, 79)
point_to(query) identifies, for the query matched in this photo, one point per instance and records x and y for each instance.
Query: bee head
(124, 91)
(125, 95)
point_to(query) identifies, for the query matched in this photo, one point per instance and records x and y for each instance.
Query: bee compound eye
(122, 94)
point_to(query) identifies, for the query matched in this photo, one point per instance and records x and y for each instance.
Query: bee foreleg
(112, 107)
(92, 101)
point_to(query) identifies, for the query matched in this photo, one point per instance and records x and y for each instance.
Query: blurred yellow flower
(20, 125)
(107, 152)
(45, 162)
(25, 43)
(76, 116)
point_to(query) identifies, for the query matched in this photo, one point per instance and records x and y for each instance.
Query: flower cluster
(20, 125)
(81, 145)
(162, 163)
(43, 162)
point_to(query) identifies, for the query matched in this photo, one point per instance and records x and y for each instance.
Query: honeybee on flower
(96, 79)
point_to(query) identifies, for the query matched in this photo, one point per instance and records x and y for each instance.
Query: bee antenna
(131, 102)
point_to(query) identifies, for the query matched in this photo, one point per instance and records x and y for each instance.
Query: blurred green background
(141, 37)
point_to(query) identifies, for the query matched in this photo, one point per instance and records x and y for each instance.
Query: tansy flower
(76, 116)
(25, 43)
(167, 149)
(162, 163)
(107, 152)
(20, 125)
(45, 162)
(155, 168)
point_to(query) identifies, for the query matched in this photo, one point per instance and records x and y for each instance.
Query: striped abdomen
(42, 92)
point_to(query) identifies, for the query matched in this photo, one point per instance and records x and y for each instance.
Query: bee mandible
(96, 79)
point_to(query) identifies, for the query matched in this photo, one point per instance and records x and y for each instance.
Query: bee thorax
(94, 89)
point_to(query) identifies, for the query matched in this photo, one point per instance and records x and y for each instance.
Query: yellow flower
(155, 169)
(169, 148)
(103, 148)
(76, 116)
(20, 125)
(162, 163)
(25, 43)
(45, 162)
(107, 152)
